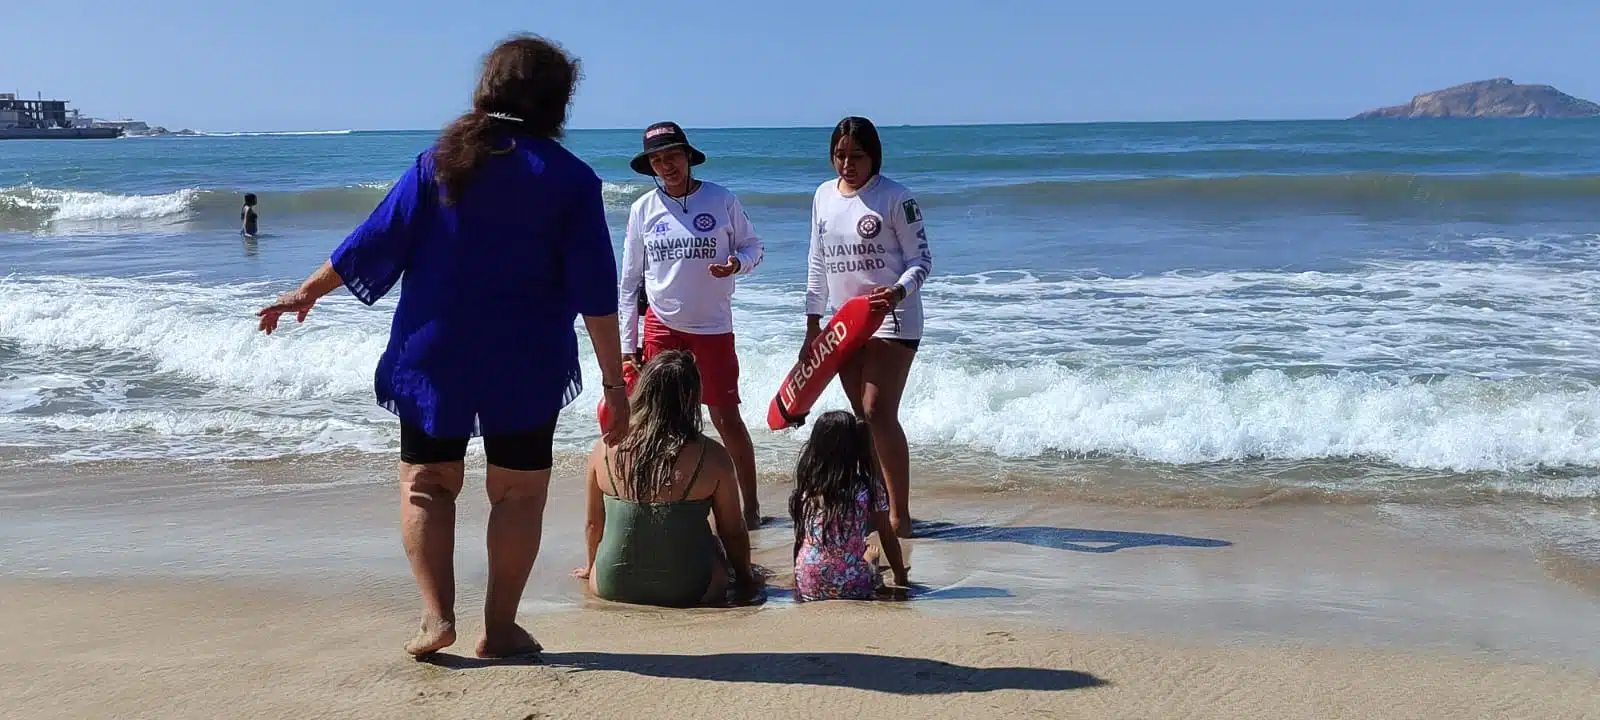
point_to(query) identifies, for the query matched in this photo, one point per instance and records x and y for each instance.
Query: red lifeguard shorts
(713, 354)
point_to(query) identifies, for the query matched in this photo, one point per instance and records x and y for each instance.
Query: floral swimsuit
(832, 563)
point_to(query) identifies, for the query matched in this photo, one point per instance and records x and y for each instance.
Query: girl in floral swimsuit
(838, 501)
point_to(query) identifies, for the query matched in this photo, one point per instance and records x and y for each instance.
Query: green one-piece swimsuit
(655, 553)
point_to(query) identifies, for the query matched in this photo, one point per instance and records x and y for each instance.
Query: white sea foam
(74, 205)
(204, 334)
(190, 434)
(621, 195)
(1194, 416)
(1401, 318)
(1020, 369)
(23, 392)
(53, 210)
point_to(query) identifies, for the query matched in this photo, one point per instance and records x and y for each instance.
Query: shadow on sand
(880, 673)
(1076, 540)
(918, 591)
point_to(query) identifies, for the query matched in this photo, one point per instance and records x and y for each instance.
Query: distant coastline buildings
(41, 119)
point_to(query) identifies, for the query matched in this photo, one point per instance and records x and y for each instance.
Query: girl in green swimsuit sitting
(650, 497)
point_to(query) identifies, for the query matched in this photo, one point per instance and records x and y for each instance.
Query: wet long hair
(865, 134)
(836, 464)
(665, 417)
(525, 88)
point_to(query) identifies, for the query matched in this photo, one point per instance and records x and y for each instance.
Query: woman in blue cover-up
(498, 237)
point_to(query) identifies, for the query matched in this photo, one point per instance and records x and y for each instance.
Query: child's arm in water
(891, 547)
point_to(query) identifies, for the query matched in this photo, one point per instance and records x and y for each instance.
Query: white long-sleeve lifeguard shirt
(671, 244)
(868, 239)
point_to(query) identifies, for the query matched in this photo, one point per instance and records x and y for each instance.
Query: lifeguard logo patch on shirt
(869, 226)
(913, 213)
(704, 222)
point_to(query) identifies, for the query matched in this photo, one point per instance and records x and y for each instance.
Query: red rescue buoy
(844, 334)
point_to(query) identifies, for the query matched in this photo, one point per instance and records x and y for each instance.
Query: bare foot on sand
(510, 643)
(435, 634)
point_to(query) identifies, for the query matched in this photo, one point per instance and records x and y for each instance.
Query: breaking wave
(29, 209)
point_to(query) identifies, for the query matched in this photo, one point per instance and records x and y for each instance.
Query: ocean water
(1172, 312)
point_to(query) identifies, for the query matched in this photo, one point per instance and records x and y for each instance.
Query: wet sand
(183, 591)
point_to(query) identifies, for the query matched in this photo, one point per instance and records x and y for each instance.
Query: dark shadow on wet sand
(451, 661)
(880, 673)
(1076, 540)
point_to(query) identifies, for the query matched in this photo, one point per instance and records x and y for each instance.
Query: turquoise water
(1351, 307)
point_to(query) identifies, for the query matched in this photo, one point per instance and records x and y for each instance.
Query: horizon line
(907, 125)
(829, 127)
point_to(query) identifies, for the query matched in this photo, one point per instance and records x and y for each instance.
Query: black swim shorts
(533, 450)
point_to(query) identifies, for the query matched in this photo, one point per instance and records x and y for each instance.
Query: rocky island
(1497, 98)
(137, 128)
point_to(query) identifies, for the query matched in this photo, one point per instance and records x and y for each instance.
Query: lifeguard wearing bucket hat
(685, 244)
(664, 136)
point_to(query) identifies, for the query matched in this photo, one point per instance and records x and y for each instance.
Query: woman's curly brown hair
(525, 88)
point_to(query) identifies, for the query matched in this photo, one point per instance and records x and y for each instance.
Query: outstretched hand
(297, 302)
(726, 269)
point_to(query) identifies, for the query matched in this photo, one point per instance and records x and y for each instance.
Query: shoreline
(1518, 581)
(178, 592)
(1111, 481)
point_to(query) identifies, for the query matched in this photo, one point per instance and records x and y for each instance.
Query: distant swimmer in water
(247, 215)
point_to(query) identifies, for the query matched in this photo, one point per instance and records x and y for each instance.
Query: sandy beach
(1209, 415)
(209, 650)
(164, 592)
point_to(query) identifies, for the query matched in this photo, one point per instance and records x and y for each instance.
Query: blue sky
(408, 64)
